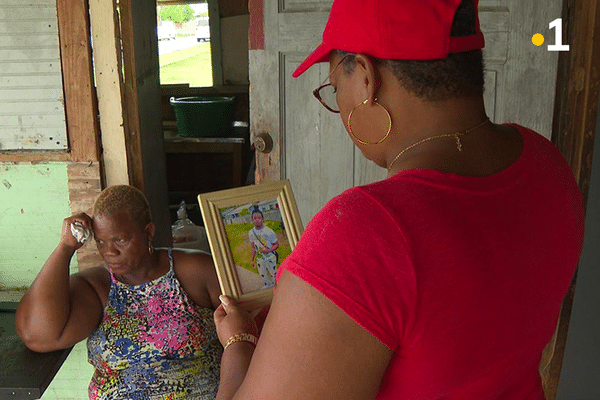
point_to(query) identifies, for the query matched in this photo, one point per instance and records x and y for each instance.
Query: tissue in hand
(81, 234)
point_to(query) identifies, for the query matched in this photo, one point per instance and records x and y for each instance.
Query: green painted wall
(34, 200)
(72, 380)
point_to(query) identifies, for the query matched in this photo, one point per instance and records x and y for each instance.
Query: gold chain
(456, 136)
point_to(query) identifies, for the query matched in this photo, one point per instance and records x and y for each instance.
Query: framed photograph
(250, 230)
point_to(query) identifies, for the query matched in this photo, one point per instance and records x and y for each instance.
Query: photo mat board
(250, 230)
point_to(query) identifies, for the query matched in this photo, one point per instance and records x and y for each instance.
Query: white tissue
(81, 234)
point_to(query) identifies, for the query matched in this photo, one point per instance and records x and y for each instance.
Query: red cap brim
(457, 45)
(320, 54)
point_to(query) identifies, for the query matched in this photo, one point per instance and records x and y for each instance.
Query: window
(185, 45)
(32, 114)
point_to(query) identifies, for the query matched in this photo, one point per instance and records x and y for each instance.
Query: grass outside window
(192, 66)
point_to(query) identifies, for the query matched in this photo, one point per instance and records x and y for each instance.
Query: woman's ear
(150, 230)
(370, 75)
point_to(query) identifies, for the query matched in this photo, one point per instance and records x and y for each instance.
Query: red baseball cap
(394, 29)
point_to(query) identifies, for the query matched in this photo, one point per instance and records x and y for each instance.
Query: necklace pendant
(458, 143)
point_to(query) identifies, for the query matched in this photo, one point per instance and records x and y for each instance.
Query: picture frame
(250, 230)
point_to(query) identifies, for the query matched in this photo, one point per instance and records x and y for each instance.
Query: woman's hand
(230, 320)
(66, 237)
(233, 320)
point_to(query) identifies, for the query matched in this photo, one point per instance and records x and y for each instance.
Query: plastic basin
(204, 116)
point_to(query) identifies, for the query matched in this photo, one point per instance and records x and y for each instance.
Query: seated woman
(148, 315)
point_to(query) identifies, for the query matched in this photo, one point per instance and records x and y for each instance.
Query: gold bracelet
(241, 337)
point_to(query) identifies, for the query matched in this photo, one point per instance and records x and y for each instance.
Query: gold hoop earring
(359, 140)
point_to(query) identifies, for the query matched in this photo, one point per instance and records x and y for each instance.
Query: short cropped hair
(458, 75)
(123, 198)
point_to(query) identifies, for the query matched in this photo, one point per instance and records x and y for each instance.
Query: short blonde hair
(123, 198)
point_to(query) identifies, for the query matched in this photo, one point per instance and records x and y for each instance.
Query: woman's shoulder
(98, 278)
(355, 208)
(191, 266)
(183, 258)
(358, 199)
(196, 273)
(534, 141)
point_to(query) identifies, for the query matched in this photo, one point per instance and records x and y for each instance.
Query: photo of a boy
(264, 245)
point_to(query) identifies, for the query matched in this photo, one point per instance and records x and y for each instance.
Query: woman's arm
(196, 273)
(59, 310)
(236, 357)
(308, 349)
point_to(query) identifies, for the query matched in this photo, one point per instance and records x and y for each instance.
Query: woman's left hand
(231, 319)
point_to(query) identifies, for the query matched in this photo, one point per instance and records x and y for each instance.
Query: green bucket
(204, 116)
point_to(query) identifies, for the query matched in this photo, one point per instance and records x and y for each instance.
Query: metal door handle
(263, 142)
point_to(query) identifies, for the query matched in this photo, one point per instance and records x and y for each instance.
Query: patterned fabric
(154, 343)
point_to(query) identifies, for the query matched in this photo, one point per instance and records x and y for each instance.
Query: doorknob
(263, 142)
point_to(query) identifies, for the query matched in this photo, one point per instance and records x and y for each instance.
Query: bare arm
(235, 364)
(59, 310)
(308, 349)
(196, 273)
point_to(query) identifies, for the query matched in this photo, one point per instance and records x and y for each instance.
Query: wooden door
(310, 145)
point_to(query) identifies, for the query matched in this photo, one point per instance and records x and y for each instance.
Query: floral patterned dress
(154, 343)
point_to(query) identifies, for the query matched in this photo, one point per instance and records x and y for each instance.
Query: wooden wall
(45, 75)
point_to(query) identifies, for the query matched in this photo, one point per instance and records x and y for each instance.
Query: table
(233, 144)
(24, 374)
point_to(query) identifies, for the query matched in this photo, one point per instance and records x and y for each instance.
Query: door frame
(573, 130)
(142, 117)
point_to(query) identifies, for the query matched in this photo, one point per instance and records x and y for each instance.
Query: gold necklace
(456, 136)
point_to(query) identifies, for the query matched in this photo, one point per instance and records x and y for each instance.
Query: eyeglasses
(326, 93)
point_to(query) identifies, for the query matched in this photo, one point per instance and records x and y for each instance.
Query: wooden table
(233, 144)
(24, 374)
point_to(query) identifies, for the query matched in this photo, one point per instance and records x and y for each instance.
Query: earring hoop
(359, 140)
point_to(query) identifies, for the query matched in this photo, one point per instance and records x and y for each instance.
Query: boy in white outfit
(264, 245)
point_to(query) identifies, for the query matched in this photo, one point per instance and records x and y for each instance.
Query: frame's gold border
(210, 205)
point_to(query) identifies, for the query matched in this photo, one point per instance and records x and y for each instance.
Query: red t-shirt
(461, 277)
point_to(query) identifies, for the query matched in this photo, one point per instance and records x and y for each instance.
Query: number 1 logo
(538, 38)
(559, 46)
